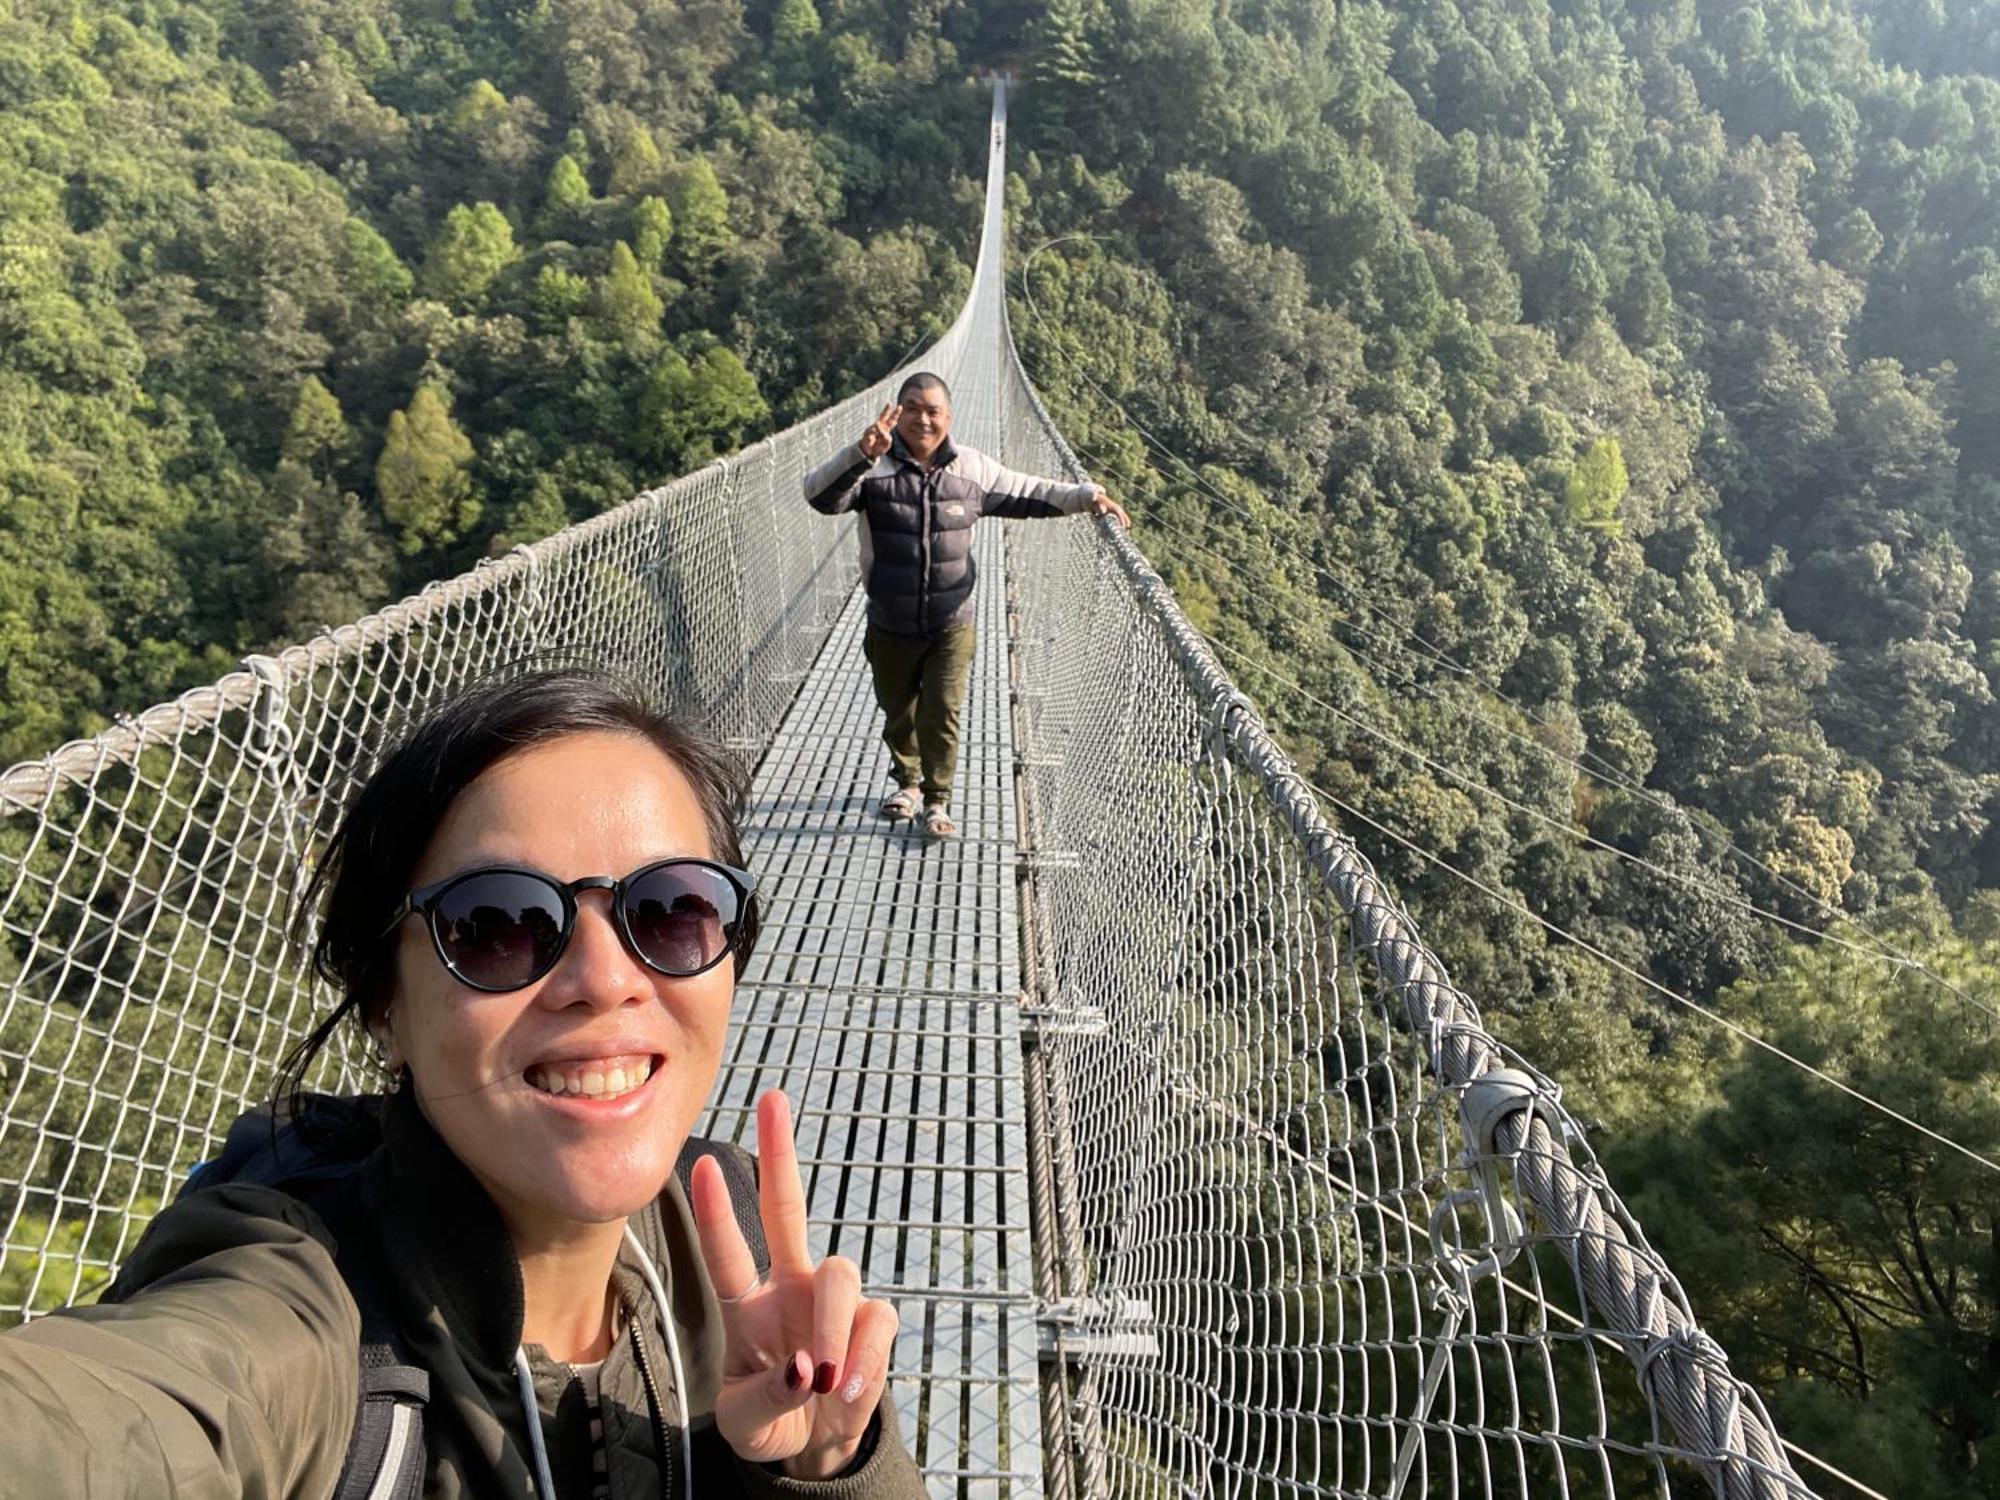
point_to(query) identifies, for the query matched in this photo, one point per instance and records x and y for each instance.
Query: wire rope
(1735, 1028)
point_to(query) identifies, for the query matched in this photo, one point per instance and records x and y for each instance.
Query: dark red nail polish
(824, 1377)
(793, 1376)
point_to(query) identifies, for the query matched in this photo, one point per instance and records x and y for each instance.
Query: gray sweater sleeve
(1008, 492)
(835, 485)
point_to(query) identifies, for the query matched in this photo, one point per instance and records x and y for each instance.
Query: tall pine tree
(423, 477)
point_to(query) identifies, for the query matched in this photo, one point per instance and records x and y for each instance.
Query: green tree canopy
(567, 197)
(626, 307)
(700, 209)
(795, 23)
(423, 475)
(652, 231)
(1596, 486)
(696, 409)
(317, 435)
(635, 162)
(475, 244)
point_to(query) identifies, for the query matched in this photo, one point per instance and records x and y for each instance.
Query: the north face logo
(955, 510)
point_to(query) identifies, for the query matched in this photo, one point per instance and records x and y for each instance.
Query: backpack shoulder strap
(312, 1148)
(739, 1170)
(386, 1456)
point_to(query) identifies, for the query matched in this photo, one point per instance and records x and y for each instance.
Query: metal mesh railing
(1296, 1235)
(1316, 1233)
(147, 988)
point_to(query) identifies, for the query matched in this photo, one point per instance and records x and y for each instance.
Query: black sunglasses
(501, 928)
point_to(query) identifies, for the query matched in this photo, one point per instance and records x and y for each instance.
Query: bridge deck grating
(882, 1000)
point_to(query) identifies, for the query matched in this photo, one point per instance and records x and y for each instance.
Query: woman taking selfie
(524, 1281)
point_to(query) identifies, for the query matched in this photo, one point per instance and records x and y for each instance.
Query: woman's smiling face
(486, 1068)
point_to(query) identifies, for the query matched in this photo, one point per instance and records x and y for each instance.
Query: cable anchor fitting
(1495, 1095)
(269, 737)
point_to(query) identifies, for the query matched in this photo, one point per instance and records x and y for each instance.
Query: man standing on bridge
(920, 496)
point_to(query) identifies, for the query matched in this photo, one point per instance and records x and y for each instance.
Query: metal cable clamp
(1495, 1095)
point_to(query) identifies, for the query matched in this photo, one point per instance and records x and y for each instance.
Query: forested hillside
(304, 303)
(1578, 425)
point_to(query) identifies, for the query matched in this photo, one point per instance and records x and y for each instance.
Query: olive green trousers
(920, 685)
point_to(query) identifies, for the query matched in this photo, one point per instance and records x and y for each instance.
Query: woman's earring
(391, 1057)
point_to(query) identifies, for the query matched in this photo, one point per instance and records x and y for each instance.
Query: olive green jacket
(225, 1359)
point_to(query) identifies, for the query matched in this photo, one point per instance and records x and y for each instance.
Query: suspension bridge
(1188, 1168)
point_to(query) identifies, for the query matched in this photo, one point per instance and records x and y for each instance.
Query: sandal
(937, 821)
(901, 805)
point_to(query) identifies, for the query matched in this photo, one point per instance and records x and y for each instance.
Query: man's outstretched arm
(1018, 496)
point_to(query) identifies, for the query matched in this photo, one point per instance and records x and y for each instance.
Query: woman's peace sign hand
(804, 1354)
(875, 440)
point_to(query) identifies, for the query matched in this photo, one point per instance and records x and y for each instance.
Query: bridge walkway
(883, 1000)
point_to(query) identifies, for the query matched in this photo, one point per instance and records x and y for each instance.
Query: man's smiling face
(925, 420)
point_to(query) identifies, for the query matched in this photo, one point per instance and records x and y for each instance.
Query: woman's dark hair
(372, 857)
(923, 380)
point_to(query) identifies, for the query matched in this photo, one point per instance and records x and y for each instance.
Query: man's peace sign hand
(875, 439)
(804, 1354)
